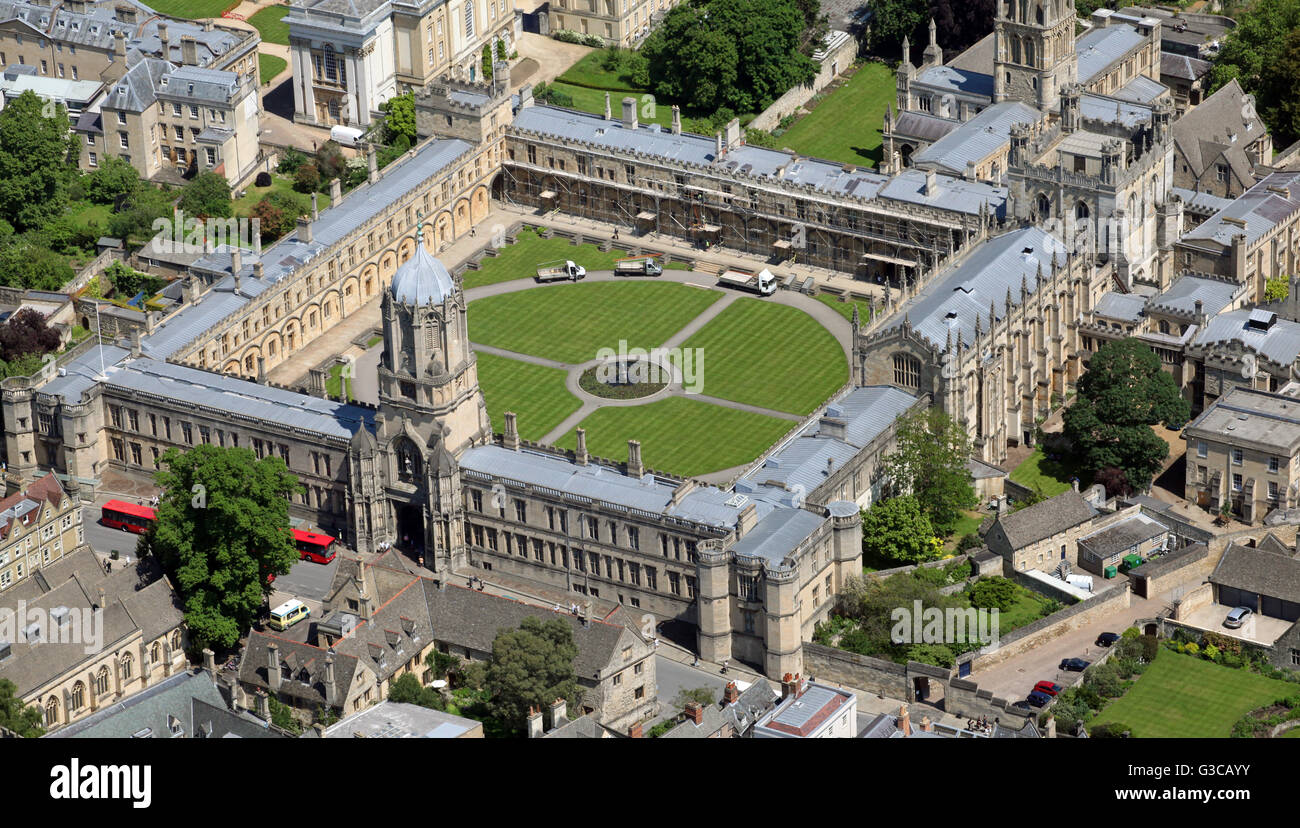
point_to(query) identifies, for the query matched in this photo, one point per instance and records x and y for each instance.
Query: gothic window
(1044, 206)
(907, 371)
(51, 711)
(78, 697)
(101, 681)
(1081, 210)
(127, 665)
(408, 461)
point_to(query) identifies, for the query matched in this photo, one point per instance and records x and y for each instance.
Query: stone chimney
(677, 120)
(315, 208)
(261, 370)
(511, 438)
(189, 51)
(788, 686)
(629, 113)
(236, 262)
(535, 729)
(731, 694)
(717, 145)
(135, 342)
(559, 713)
(162, 39)
(372, 161)
(931, 183)
(209, 661)
(304, 230)
(580, 453)
(331, 686)
(695, 712)
(609, 115)
(119, 45)
(635, 468)
(926, 724)
(635, 731)
(273, 667)
(100, 601)
(259, 271)
(586, 614)
(336, 191)
(904, 721)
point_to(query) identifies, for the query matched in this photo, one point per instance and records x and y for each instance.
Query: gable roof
(1045, 518)
(1261, 571)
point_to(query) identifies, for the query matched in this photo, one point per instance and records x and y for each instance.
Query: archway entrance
(410, 530)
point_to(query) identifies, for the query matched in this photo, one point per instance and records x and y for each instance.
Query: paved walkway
(296, 369)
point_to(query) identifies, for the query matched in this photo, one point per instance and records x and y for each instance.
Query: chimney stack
(931, 183)
(629, 113)
(257, 237)
(731, 694)
(315, 208)
(261, 370)
(273, 667)
(635, 468)
(787, 686)
(336, 191)
(609, 115)
(331, 687)
(135, 342)
(209, 661)
(373, 162)
(677, 120)
(580, 453)
(717, 145)
(162, 39)
(304, 230)
(635, 731)
(535, 730)
(189, 51)
(259, 270)
(119, 44)
(511, 439)
(1051, 726)
(926, 724)
(904, 721)
(559, 713)
(695, 712)
(236, 262)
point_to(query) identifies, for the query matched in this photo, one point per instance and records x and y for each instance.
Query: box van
(347, 136)
(287, 614)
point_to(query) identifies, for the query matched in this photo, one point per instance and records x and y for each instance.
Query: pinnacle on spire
(947, 342)
(856, 319)
(1024, 282)
(933, 32)
(907, 51)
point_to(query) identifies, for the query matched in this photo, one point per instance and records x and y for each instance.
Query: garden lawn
(269, 24)
(1186, 696)
(1052, 476)
(519, 260)
(680, 435)
(1029, 607)
(769, 355)
(845, 308)
(845, 125)
(253, 194)
(589, 72)
(534, 392)
(268, 66)
(571, 322)
(593, 101)
(192, 9)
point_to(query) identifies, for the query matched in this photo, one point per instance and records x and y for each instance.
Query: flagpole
(99, 334)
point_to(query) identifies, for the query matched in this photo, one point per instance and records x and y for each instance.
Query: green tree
(1122, 394)
(307, 179)
(207, 196)
(14, 715)
(222, 528)
(138, 213)
(111, 179)
(400, 118)
(330, 160)
(701, 695)
(441, 665)
(35, 172)
(940, 655)
(127, 281)
(487, 61)
(1278, 287)
(930, 462)
(531, 667)
(1259, 52)
(408, 690)
(994, 591)
(501, 50)
(895, 529)
(32, 266)
(893, 20)
(282, 716)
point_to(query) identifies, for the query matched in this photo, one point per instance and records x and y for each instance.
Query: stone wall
(1197, 598)
(1053, 626)
(965, 698)
(874, 675)
(838, 59)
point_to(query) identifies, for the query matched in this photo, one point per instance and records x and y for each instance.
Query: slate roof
(1217, 128)
(1259, 207)
(1260, 571)
(1113, 110)
(978, 138)
(1182, 295)
(1247, 415)
(777, 535)
(397, 720)
(923, 126)
(953, 79)
(756, 700)
(1123, 306)
(306, 667)
(583, 727)
(803, 715)
(137, 90)
(1046, 518)
(1184, 67)
(1280, 343)
(1117, 537)
(1141, 89)
(1099, 47)
(951, 193)
(1201, 203)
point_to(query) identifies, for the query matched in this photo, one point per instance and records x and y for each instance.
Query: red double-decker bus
(127, 516)
(314, 547)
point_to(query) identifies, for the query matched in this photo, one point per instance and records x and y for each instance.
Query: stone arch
(1043, 205)
(479, 204)
(309, 314)
(273, 344)
(232, 368)
(369, 282)
(460, 218)
(443, 229)
(405, 250)
(352, 298)
(250, 360)
(387, 263)
(292, 336)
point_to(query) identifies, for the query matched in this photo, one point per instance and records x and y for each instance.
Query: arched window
(1044, 206)
(249, 363)
(176, 640)
(907, 371)
(1081, 210)
(469, 19)
(128, 666)
(1038, 14)
(101, 681)
(51, 711)
(78, 697)
(155, 653)
(408, 461)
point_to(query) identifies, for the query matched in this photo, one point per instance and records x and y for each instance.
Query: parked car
(1075, 665)
(1048, 687)
(1021, 705)
(1037, 699)
(1237, 617)
(1107, 639)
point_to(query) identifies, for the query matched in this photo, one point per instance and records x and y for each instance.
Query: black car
(1076, 665)
(1021, 705)
(1107, 639)
(1038, 699)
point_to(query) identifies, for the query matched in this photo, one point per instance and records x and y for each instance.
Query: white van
(347, 136)
(287, 614)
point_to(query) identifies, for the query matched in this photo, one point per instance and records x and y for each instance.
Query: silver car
(1237, 617)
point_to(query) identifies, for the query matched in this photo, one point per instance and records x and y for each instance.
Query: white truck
(763, 283)
(559, 270)
(347, 136)
(1083, 582)
(638, 266)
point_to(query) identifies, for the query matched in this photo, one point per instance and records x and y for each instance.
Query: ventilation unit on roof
(737, 501)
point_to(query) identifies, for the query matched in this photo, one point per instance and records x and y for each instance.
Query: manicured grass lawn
(571, 322)
(85, 213)
(845, 308)
(269, 25)
(334, 382)
(593, 101)
(535, 393)
(268, 66)
(969, 522)
(1185, 696)
(192, 9)
(769, 355)
(520, 259)
(680, 435)
(374, 340)
(244, 206)
(1029, 607)
(845, 125)
(589, 72)
(1052, 476)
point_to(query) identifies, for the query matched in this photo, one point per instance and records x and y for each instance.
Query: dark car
(1038, 699)
(1107, 639)
(1050, 688)
(1021, 705)
(1076, 665)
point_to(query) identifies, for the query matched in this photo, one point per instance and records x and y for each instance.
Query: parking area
(1258, 629)
(1014, 678)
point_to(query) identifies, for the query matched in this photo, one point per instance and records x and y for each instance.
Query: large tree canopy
(930, 464)
(532, 667)
(896, 529)
(35, 144)
(1122, 394)
(738, 55)
(1263, 54)
(222, 528)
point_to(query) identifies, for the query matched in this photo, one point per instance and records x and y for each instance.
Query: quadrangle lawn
(680, 435)
(269, 26)
(534, 392)
(570, 323)
(845, 125)
(768, 355)
(1185, 696)
(192, 9)
(520, 259)
(1051, 476)
(268, 66)
(845, 308)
